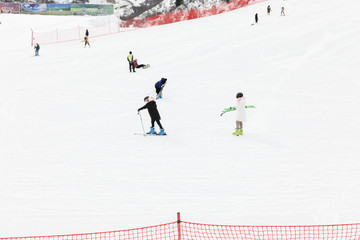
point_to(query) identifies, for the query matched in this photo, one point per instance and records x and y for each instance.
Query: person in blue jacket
(159, 86)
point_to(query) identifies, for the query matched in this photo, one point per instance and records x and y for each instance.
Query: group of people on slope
(86, 40)
(151, 106)
(150, 103)
(268, 10)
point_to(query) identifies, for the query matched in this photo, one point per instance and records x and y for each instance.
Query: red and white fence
(178, 16)
(77, 33)
(181, 230)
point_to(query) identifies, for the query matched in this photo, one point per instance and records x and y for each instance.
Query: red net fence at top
(196, 231)
(184, 15)
(78, 33)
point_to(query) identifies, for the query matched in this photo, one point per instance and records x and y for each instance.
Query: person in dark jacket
(37, 49)
(256, 18)
(87, 33)
(154, 115)
(268, 9)
(159, 86)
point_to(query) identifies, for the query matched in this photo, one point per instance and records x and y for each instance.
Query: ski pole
(142, 124)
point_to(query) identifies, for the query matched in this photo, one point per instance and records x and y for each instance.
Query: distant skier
(282, 11)
(87, 33)
(268, 9)
(37, 49)
(86, 40)
(256, 18)
(136, 65)
(154, 115)
(130, 59)
(159, 86)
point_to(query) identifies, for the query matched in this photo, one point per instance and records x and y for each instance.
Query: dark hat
(239, 95)
(146, 98)
(130, 52)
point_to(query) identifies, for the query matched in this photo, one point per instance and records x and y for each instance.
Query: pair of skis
(145, 134)
(153, 134)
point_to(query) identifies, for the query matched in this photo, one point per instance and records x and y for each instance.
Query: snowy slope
(70, 162)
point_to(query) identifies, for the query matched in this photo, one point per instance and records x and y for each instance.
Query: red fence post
(79, 32)
(32, 37)
(178, 225)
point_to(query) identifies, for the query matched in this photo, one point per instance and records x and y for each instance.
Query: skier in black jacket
(268, 9)
(154, 115)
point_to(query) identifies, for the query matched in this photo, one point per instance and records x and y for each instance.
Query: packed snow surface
(71, 163)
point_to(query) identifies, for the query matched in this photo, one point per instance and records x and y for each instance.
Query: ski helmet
(146, 98)
(239, 95)
(135, 59)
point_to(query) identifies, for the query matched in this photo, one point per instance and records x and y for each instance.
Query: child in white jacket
(240, 114)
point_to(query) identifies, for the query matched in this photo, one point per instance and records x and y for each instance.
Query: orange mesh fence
(196, 231)
(76, 33)
(167, 231)
(72, 34)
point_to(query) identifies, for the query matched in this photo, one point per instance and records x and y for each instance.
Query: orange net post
(179, 226)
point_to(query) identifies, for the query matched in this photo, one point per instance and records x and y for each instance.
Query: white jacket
(240, 109)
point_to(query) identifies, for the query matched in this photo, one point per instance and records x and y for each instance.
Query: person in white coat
(240, 114)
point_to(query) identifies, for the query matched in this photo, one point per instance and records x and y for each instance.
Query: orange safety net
(168, 231)
(77, 33)
(197, 231)
(178, 16)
